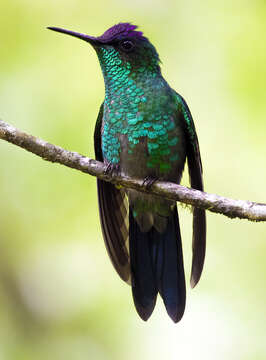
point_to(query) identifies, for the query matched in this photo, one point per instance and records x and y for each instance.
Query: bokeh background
(59, 295)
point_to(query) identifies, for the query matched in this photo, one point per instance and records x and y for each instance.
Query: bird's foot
(112, 169)
(149, 181)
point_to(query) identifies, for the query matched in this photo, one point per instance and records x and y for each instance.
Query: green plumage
(139, 104)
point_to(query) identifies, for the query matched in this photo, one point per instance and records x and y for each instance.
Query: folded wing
(196, 181)
(113, 210)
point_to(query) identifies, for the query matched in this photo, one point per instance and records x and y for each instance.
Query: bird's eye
(127, 45)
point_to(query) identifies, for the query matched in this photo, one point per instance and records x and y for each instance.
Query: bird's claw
(112, 169)
(149, 181)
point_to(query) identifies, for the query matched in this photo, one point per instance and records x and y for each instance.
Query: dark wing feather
(113, 210)
(196, 181)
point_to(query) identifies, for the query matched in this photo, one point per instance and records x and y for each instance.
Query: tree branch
(215, 203)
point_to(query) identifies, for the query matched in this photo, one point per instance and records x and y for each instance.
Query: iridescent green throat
(127, 110)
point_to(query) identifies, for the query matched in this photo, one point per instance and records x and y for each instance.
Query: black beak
(90, 39)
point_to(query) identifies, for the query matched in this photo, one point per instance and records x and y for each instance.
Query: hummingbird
(144, 129)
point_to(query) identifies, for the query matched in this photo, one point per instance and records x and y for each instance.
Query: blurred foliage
(60, 297)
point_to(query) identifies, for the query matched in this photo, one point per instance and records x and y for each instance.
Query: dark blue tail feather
(172, 287)
(143, 278)
(157, 265)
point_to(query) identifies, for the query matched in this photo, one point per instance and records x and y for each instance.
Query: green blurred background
(59, 295)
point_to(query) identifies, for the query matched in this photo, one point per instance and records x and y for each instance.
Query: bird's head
(123, 46)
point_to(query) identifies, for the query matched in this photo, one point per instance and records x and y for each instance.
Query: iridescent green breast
(138, 103)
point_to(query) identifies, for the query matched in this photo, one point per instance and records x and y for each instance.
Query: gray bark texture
(229, 207)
